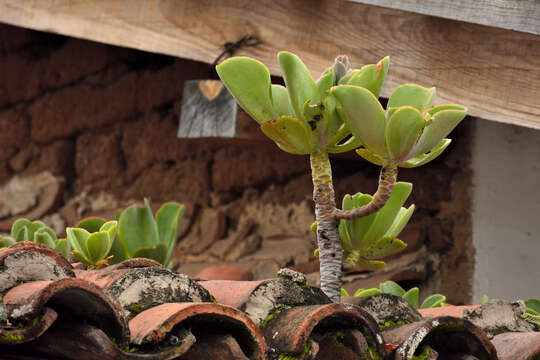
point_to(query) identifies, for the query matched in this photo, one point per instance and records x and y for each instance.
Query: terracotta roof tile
(292, 330)
(49, 310)
(448, 335)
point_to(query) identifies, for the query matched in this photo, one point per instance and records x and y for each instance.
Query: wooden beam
(520, 15)
(494, 72)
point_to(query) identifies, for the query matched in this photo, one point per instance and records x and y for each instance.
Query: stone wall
(105, 119)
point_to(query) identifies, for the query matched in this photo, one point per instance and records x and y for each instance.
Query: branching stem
(327, 216)
(387, 180)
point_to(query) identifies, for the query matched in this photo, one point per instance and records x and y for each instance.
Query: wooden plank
(520, 15)
(494, 72)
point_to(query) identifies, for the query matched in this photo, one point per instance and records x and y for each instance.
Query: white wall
(506, 211)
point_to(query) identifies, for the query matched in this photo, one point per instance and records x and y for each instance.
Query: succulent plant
(411, 132)
(140, 235)
(35, 231)
(337, 113)
(391, 287)
(532, 312)
(92, 248)
(374, 236)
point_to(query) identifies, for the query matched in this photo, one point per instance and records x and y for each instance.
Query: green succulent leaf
(98, 245)
(344, 236)
(77, 238)
(371, 76)
(533, 304)
(402, 218)
(44, 237)
(366, 292)
(412, 297)
(158, 252)
(371, 265)
(298, 80)
(385, 246)
(403, 131)
(137, 227)
(350, 144)
(20, 230)
(484, 300)
(6, 241)
(385, 217)
(343, 292)
(110, 227)
(425, 158)
(280, 101)
(62, 246)
(360, 226)
(391, 287)
(371, 157)
(248, 80)
(169, 219)
(365, 115)
(413, 95)
(325, 82)
(79, 256)
(91, 224)
(290, 134)
(433, 301)
(443, 119)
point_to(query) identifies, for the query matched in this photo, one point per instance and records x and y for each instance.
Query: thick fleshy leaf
(435, 300)
(91, 224)
(371, 157)
(351, 143)
(158, 252)
(533, 304)
(169, 219)
(48, 230)
(371, 265)
(80, 257)
(360, 226)
(343, 292)
(402, 132)
(298, 80)
(385, 217)
(97, 246)
(425, 158)
(412, 297)
(325, 82)
(365, 115)
(137, 227)
(280, 101)
(6, 241)
(248, 80)
(385, 246)
(413, 95)
(62, 246)
(17, 227)
(290, 132)
(391, 287)
(366, 292)
(400, 221)
(44, 237)
(344, 237)
(110, 227)
(119, 250)
(443, 120)
(371, 76)
(77, 238)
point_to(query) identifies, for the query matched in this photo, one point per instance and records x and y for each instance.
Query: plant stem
(330, 251)
(387, 180)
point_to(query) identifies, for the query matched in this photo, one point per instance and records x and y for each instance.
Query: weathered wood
(520, 15)
(210, 111)
(492, 71)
